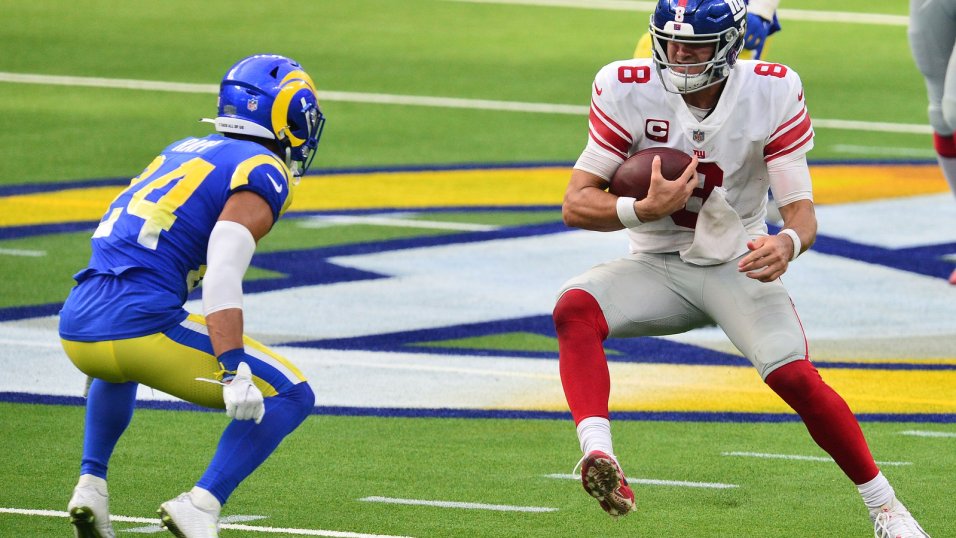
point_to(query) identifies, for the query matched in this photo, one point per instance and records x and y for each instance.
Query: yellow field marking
(467, 188)
(843, 184)
(681, 388)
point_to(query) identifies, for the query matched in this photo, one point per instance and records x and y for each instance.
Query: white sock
(594, 433)
(948, 166)
(205, 500)
(876, 492)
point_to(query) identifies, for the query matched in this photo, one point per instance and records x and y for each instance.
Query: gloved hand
(758, 28)
(243, 399)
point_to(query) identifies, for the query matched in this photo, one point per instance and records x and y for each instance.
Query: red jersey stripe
(787, 139)
(607, 119)
(607, 134)
(783, 126)
(606, 146)
(792, 148)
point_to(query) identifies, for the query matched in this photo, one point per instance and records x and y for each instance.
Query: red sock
(827, 417)
(581, 331)
(945, 145)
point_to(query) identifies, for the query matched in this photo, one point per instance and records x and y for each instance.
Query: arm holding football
(587, 205)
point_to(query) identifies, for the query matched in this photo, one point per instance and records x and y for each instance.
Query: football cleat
(89, 509)
(184, 519)
(603, 479)
(893, 520)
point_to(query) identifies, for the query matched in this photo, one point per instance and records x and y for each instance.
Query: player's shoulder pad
(617, 79)
(257, 169)
(778, 79)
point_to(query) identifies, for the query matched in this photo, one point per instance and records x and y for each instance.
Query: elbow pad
(230, 250)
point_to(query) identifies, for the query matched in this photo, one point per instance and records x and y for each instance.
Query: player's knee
(301, 399)
(949, 112)
(579, 306)
(795, 378)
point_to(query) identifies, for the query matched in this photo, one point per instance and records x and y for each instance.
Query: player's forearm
(588, 206)
(800, 217)
(225, 330)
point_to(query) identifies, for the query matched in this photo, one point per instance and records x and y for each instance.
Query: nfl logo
(698, 135)
(252, 104)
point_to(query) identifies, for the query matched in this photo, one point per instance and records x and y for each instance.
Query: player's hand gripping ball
(633, 177)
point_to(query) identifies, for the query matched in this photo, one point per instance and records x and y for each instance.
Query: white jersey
(761, 116)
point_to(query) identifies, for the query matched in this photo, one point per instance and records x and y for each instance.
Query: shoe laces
(896, 523)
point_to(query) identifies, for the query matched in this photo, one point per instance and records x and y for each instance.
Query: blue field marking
(511, 414)
(645, 350)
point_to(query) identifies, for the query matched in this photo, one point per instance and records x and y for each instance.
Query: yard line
(453, 504)
(234, 526)
(652, 482)
(919, 433)
(883, 150)
(785, 14)
(320, 222)
(412, 100)
(22, 252)
(802, 458)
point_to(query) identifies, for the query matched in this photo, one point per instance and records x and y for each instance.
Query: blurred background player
(195, 213)
(761, 23)
(700, 253)
(932, 36)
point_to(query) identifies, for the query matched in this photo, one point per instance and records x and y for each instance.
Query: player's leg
(109, 409)
(171, 362)
(627, 297)
(932, 34)
(761, 321)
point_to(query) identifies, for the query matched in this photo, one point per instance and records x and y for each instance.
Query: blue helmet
(721, 23)
(270, 96)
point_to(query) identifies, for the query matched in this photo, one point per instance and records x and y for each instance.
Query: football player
(932, 36)
(195, 213)
(761, 23)
(700, 253)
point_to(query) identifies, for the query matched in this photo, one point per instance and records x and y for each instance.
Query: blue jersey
(149, 249)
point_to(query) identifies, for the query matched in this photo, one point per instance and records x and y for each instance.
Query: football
(633, 177)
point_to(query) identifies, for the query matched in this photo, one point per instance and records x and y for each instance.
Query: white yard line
(652, 482)
(801, 458)
(785, 14)
(413, 100)
(919, 433)
(21, 252)
(926, 152)
(251, 528)
(321, 222)
(454, 504)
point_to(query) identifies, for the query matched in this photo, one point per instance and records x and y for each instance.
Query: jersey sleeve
(266, 176)
(609, 143)
(793, 135)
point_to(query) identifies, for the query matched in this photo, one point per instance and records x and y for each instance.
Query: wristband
(230, 359)
(797, 244)
(626, 213)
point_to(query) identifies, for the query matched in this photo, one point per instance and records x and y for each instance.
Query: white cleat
(89, 509)
(186, 520)
(893, 520)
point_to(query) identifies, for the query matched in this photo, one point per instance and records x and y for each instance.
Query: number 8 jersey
(149, 249)
(760, 119)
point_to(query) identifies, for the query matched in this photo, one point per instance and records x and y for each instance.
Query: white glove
(243, 399)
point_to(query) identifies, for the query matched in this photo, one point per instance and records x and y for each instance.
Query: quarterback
(700, 253)
(194, 214)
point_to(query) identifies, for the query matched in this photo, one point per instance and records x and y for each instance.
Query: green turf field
(317, 478)
(49, 134)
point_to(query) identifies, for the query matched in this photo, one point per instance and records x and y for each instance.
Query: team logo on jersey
(657, 130)
(252, 104)
(698, 135)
